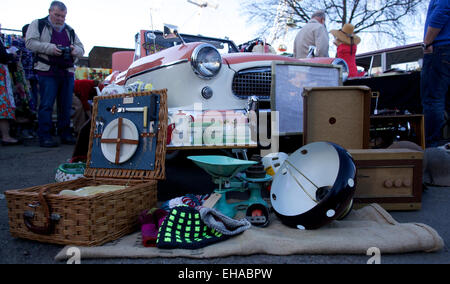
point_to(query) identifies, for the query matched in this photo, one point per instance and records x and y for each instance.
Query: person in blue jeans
(435, 76)
(58, 48)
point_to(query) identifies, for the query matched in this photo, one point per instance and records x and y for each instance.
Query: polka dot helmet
(314, 186)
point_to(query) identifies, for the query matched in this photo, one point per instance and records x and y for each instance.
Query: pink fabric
(347, 53)
(149, 235)
(150, 221)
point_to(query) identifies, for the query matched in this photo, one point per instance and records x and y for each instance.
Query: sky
(113, 23)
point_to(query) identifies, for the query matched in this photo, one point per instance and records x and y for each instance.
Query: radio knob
(398, 183)
(388, 183)
(407, 183)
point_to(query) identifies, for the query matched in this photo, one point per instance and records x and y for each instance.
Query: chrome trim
(259, 69)
(157, 68)
(194, 59)
(245, 81)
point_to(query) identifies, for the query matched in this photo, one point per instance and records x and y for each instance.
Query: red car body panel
(184, 52)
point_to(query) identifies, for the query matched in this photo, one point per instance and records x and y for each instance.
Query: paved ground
(25, 166)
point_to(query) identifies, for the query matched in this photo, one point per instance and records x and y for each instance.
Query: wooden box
(40, 213)
(406, 127)
(337, 114)
(389, 177)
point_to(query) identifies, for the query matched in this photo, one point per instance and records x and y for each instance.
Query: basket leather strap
(51, 220)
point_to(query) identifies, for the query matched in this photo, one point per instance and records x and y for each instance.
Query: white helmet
(314, 186)
(273, 161)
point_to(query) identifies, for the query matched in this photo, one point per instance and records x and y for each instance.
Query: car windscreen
(154, 42)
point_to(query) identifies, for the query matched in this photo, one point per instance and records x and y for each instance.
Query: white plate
(129, 131)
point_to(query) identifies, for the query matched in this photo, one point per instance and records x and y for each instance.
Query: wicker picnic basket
(40, 213)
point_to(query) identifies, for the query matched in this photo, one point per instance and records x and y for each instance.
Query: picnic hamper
(40, 213)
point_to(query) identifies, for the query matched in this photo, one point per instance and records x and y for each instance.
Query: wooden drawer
(391, 178)
(385, 182)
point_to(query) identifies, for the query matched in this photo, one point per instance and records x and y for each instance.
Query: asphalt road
(26, 166)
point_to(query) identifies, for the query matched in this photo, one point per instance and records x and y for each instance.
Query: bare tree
(368, 16)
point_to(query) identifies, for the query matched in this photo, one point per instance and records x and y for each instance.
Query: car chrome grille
(253, 82)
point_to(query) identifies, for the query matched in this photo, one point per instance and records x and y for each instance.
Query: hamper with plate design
(127, 147)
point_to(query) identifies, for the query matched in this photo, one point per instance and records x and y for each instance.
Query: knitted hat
(346, 34)
(222, 223)
(183, 228)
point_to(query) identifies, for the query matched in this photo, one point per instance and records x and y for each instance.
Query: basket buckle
(51, 219)
(34, 205)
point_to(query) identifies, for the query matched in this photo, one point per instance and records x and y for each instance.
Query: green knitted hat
(183, 228)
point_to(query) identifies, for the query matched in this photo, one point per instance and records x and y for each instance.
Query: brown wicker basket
(82, 221)
(40, 213)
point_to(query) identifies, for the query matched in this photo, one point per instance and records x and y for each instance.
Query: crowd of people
(435, 74)
(313, 40)
(37, 69)
(46, 55)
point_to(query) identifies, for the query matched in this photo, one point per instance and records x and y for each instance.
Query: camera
(66, 52)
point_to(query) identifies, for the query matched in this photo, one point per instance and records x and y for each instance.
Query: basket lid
(128, 136)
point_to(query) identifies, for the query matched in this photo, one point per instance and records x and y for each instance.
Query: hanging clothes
(7, 105)
(22, 90)
(22, 94)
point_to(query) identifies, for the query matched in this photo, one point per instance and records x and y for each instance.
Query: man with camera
(57, 48)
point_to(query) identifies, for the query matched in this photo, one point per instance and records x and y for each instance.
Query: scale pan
(221, 166)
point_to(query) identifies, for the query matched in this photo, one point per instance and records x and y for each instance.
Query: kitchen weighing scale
(233, 175)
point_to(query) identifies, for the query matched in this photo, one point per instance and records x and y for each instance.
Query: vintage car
(213, 88)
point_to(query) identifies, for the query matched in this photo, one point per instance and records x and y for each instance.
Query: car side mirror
(171, 31)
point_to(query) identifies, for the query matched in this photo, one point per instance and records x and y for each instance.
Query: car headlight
(206, 61)
(341, 62)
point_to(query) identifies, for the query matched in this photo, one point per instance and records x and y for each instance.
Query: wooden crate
(40, 213)
(337, 114)
(413, 129)
(389, 177)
